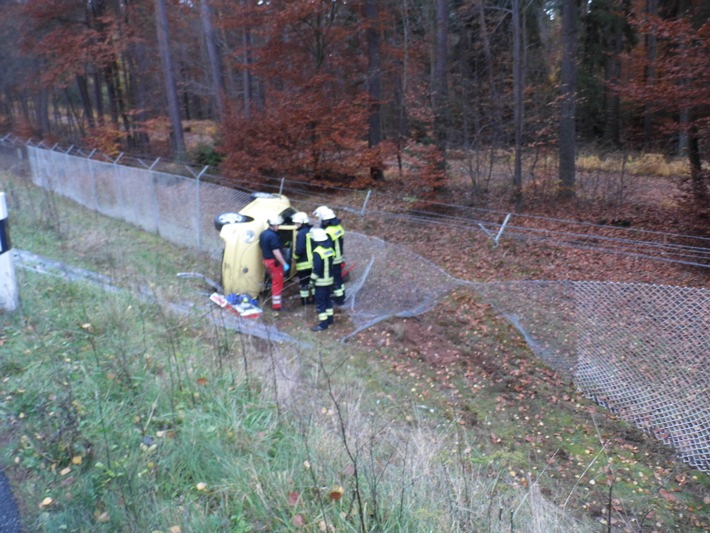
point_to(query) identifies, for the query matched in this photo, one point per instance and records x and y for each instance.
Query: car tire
(226, 218)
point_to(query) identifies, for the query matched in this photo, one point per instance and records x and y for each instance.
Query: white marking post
(9, 295)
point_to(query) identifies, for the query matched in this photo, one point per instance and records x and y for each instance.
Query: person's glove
(287, 267)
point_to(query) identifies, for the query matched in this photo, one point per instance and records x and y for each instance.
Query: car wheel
(227, 218)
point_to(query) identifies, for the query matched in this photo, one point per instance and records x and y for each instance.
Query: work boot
(330, 320)
(322, 326)
(304, 302)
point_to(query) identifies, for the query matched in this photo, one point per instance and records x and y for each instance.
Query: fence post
(9, 295)
(364, 204)
(496, 239)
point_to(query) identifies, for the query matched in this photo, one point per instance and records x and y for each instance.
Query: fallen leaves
(668, 496)
(46, 502)
(336, 493)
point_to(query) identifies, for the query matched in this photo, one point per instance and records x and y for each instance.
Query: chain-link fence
(638, 349)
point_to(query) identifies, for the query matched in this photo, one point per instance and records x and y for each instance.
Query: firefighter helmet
(324, 213)
(275, 220)
(300, 218)
(319, 235)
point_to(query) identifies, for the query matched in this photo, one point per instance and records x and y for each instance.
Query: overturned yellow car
(243, 270)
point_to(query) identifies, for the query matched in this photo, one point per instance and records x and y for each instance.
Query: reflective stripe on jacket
(336, 234)
(322, 275)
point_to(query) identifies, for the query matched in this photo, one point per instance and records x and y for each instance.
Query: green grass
(119, 415)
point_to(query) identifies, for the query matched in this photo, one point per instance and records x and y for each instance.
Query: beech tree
(315, 113)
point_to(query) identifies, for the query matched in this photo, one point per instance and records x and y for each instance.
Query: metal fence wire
(640, 350)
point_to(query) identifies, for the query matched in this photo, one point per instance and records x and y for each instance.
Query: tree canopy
(337, 92)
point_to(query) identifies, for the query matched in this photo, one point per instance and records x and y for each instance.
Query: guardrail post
(9, 294)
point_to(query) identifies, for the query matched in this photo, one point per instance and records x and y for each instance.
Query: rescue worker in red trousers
(322, 278)
(276, 265)
(331, 224)
(303, 255)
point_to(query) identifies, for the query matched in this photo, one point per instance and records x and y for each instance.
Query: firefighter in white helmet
(322, 278)
(276, 264)
(303, 255)
(334, 228)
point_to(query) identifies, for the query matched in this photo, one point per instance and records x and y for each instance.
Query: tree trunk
(568, 101)
(177, 138)
(246, 72)
(42, 111)
(651, 53)
(518, 103)
(135, 87)
(98, 96)
(697, 174)
(374, 84)
(111, 95)
(612, 76)
(83, 87)
(441, 53)
(213, 54)
(492, 87)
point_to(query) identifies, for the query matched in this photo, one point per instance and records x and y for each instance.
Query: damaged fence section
(639, 350)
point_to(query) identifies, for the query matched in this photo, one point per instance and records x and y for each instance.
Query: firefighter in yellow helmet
(322, 278)
(333, 227)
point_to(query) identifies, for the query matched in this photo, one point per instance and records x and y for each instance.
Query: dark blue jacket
(269, 241)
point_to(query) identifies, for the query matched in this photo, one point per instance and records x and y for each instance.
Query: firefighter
(333, 227)
(322, 278)
(303, 255)
(276, 265)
